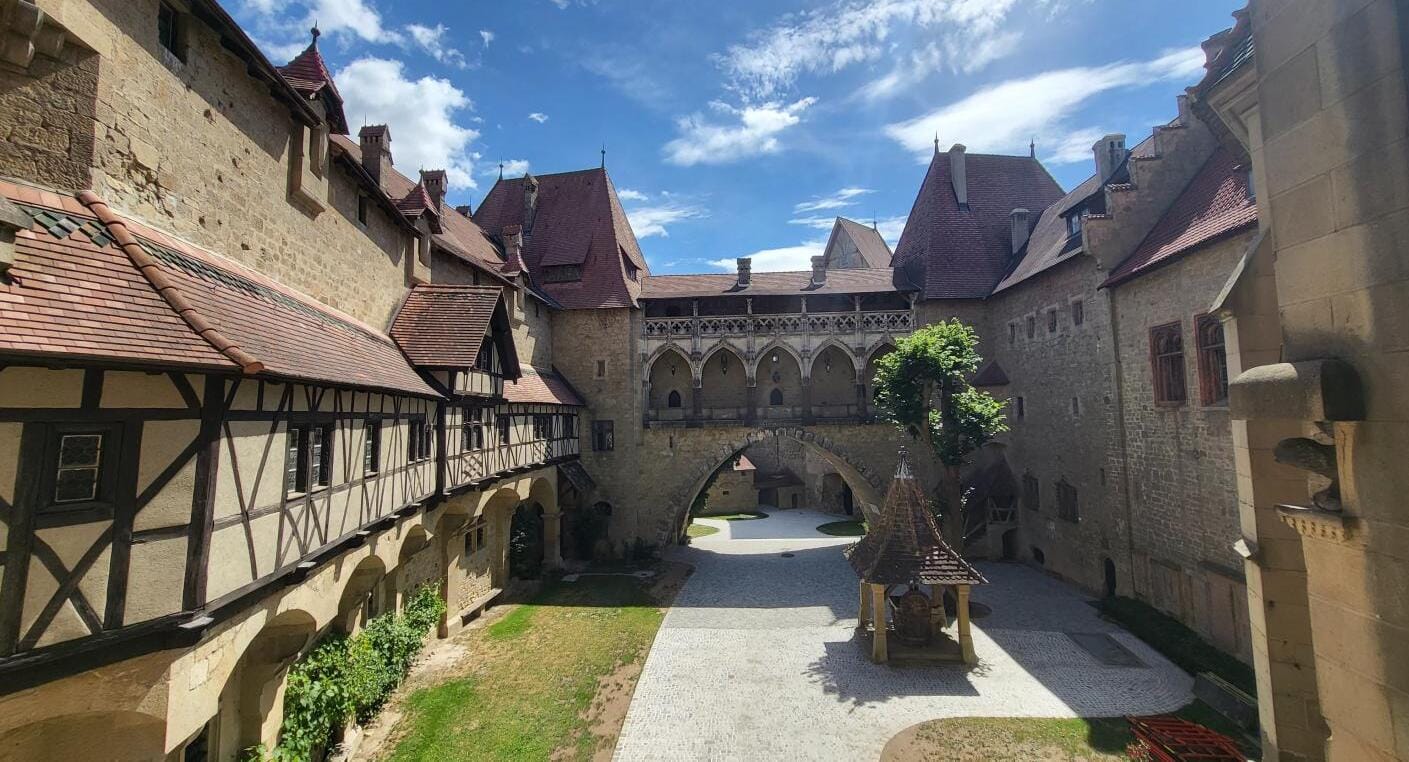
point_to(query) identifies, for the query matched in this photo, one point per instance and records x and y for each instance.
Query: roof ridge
(165, 287)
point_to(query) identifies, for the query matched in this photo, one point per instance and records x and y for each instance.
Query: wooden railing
(735, 416)
(498, 459)
(884, 321)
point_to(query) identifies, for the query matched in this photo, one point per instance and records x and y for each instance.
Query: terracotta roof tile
(1216, 203)
(309, 75)
(542, 387)
(444, 326)
(963, 254)
(792, 283)
(578, 220)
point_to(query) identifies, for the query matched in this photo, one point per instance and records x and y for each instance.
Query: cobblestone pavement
(756, 659)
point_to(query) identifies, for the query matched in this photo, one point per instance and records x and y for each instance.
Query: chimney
(1110, 153)
(745, 270)
(513, 250)
(1182, 101)
(958, 175)
(434, 182)
(1019, 220)
(530, 202)
(376, 149)
(819, 270)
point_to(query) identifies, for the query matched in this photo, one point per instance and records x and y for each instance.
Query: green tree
(923, 388)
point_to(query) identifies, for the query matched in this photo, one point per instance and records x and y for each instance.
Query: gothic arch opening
(833, 383)
(723, 384)
(779, 377)
(671, 379)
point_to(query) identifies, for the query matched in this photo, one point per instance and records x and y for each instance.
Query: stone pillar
(696, 403)
(807, 418)
(751, 401)
(938, 618)
(879, 653)
(447, 541)
(966, 638)
(863, 616)
(862, 409)
(552, 539)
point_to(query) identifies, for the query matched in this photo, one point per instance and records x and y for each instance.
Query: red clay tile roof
(791, 283)
(459, 235)
(77, 295)
(417, 202)
(309, 75)
(544, 387)
(868, 240)
(115, 289)
(957, 254)
(1216, 203)
(444, 326)
(578, 220)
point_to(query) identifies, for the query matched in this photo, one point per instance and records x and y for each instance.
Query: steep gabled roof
(459, 235)
(956, 253)
(444, 326)
(868, 241)
(578, 221)
(309, 75)
(1217, 202)
(790, 283)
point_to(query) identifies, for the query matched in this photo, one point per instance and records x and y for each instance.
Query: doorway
(1010, 545)
(1110, 578)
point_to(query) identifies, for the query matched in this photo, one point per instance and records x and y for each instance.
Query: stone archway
(866, 485)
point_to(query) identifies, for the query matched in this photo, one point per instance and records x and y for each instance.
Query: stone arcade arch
(669, 372)
(250, 704)
(115, 735)
(866, 485)
(833, 377)
(724, 383)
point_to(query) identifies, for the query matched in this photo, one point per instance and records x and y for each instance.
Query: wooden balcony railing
(884, 321)
(497, 459)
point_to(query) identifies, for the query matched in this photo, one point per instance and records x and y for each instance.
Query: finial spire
(902, 465)
(1032, 148)
(604, 156)
(316, 34)
(501, 170)
(936, 143)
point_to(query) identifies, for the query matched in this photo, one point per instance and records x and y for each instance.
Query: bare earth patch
(1008, 738)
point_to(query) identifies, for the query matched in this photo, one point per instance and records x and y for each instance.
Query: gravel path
(756, 658)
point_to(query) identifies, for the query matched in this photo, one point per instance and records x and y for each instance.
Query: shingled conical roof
(905, 545)
(309, 75)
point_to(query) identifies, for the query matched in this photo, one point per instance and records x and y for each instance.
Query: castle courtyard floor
(756, 658)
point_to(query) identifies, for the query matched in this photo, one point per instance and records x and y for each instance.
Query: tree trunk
(952, 522)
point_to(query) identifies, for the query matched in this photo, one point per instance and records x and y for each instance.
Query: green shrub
(346, 677)
(1178, 643)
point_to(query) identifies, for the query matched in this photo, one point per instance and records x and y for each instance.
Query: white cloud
(1005, 116)
(889, 227)
(487, 36)
(346, 16)
(562, 4)
(752, 131)
(957, 52)
(821, 223)
(538, 116)
(627, 194)
(281, 52)
(1073, 148)
(511, 168)
(432, 41)
(782, 259)
(421, 113)
(647, 221)
(841, 198)
(632, 75)
(830, 39)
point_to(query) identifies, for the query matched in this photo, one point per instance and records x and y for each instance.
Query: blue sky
(742, 127)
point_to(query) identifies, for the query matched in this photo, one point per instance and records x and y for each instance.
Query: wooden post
(864, 617)
(966, 638)
(879, 654)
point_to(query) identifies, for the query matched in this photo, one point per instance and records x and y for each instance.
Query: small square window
(1078, 312)
(79, 468)
(501, 422)
(1076, 406)
(371, 446)
(1012, 333)
(1032, 492)
(320, 455)
(1019, 407)
(1031, 326)
(1051, 321)
(295, 475)
(601, 369)
(1066, 502)
(362, 210)
(169, 31)
(603, 435)
(569, 427)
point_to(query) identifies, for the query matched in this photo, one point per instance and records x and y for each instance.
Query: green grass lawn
(700, 530)
(843, 528)
(527, 684)
(1027, 738)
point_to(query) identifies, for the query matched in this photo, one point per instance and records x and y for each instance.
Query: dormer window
(1074, 224)
(562, 273)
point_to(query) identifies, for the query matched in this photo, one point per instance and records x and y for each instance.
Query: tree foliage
(923, 387)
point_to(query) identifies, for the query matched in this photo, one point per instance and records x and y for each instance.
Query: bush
(346, 677)
(1178, 643)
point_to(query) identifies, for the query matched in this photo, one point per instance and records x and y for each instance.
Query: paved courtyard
(756, 659)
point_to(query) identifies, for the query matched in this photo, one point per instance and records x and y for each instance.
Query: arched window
(775, 397)
(673, 400)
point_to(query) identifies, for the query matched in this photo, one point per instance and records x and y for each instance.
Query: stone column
(696, 403)
(552, 539)
(862, 410)
(966, 638)
(751, 401)
(807, 418)
(879, 653)
(447, 541)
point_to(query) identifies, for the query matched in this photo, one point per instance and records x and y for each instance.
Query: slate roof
(963, 254)
(133, 293)
(309, 75)
(1216, 203)
(545, 387)
(791, 283)
(1226, 51)
(578, 220)
(868, 240)
(444, 326)
(905, 545)
(459, 235)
